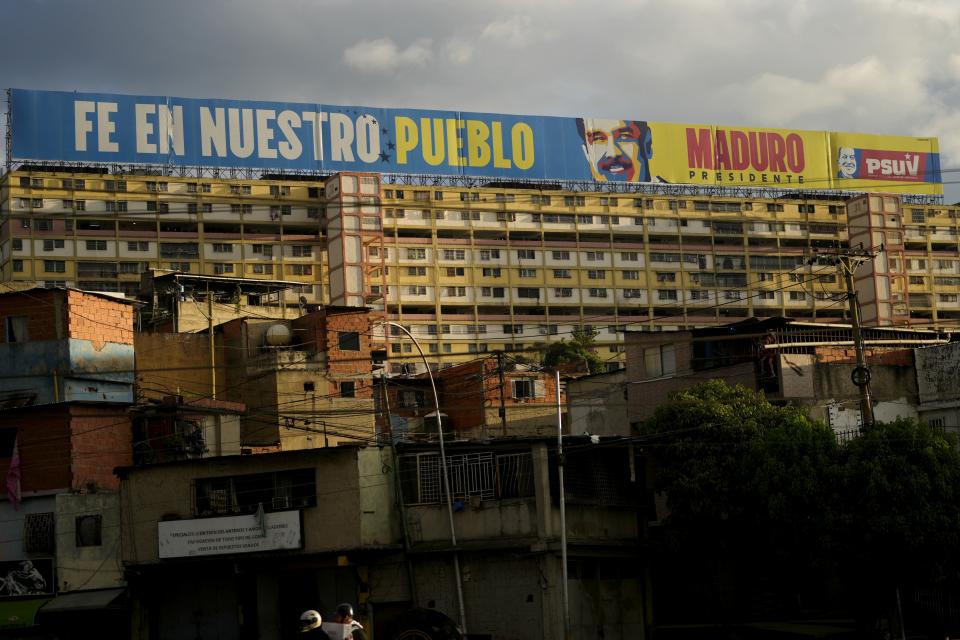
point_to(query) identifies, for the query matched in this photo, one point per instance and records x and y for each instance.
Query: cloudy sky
(876, 66)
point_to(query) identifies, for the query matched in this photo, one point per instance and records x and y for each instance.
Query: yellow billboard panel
(790, 158)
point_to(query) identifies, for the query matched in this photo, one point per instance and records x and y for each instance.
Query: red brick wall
(465, 390)
(468, 390)
(101, 439)
(98, 319)
(41, 308)
(64, 447)
(874, 355)
(44, 442)
(320, 330)
(86, 317)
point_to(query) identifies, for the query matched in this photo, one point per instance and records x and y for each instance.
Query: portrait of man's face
(847, 161)
(617, 150)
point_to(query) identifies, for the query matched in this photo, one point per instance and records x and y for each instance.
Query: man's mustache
(608, 163)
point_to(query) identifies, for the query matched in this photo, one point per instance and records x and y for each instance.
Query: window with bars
(481, 475)
(279, 491)
(38, 536)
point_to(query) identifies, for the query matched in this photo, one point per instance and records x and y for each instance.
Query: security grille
(482, 475)
(38, 533)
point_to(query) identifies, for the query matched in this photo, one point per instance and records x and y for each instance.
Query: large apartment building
(498, 267)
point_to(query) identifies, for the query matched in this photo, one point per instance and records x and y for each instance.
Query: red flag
(13, 477)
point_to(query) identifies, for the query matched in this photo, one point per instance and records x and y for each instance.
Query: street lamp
(446, 476)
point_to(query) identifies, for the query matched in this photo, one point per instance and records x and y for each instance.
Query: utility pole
(503, 401)
(861, 373)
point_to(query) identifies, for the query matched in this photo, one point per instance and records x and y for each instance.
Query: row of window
(533, 293)
(511, 329)
(265, 250)
(495, 254)
(160, 186)
(497, 272)
(603, 201)
(112, 269)
(152, 206)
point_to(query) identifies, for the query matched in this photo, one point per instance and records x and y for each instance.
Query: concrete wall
(174, 364)
(11, 524)
(88, 567)
(350, 510)
(937, 369)
(643, 396)
(523, 520)
(379, 518)
(192, 318)
(598, 405)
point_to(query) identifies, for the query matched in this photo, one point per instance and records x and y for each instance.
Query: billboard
(282, 136)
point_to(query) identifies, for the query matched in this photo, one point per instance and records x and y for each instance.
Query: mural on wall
(26, 578)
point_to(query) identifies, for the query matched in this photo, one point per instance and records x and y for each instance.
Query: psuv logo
(894, 166)
(907, 165)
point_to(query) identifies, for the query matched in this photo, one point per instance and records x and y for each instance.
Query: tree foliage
(578, 351)
(767, 490)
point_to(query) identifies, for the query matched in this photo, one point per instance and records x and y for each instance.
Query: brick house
(485, 398)
(66, 383)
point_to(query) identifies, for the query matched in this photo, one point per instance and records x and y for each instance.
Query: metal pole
(213, 354)
(563, 514)
(446, 478)
(866, 406)
(404, 527)
(503, 403)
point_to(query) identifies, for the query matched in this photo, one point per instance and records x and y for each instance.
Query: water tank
(278, 335)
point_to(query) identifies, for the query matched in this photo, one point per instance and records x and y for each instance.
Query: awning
(83, 601)
(16, 614)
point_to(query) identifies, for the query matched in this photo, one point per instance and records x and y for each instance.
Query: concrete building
(488, 266)
(507, 520)
(239, 546)
(303, 372)
(808, 364)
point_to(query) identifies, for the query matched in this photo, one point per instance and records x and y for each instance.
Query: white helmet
(309, 620)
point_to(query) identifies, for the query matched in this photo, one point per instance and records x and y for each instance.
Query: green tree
(745, 483)
(579, 351)
(731, 463)
(762, 501)
(900, 494)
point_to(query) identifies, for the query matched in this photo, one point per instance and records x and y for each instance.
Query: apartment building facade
(498, 267)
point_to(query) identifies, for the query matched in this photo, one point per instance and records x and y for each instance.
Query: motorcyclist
(344, 615)
(310, 622)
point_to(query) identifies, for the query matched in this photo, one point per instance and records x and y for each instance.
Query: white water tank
(278, 335)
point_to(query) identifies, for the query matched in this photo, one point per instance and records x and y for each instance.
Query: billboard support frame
(465, 181)
(7, 130)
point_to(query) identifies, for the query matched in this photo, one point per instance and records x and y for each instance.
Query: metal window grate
(515, 475)
(482, 475)
(38, 533)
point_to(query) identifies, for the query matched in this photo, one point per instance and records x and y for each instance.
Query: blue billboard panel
(95, 127)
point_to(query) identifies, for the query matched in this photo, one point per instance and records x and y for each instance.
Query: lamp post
(563, 514)
(446, 476)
